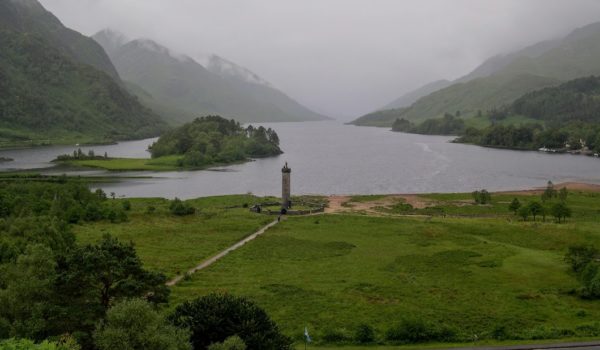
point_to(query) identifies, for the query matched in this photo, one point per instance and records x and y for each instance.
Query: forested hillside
(59, 87)
(568, 115)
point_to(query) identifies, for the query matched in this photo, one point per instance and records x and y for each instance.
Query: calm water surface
(332, 158)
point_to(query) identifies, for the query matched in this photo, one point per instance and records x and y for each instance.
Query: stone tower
(286, 173)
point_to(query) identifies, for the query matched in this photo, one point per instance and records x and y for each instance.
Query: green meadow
(464, 273)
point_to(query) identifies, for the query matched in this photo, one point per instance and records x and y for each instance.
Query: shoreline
(571, 185)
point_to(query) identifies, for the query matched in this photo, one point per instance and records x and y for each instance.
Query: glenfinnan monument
(286, 202)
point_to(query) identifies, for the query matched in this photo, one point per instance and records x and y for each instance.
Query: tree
(482, 197)
(524, 212)
(535, 208)
(563, 194)
(27, 303)
(231, 343)
(579, 256)
(549, 192)
(133, 324)
(561, 212)
(110, 271)
(215, 317)
(514, 205)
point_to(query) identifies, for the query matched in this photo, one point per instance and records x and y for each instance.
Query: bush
(364, 334)
(150, 209)
(180, 208)
(231, 343)
(482, 197)
(579, 256)
(418, 331)
(215, 317)
(26, 344)
(336, 336)
(126, 205)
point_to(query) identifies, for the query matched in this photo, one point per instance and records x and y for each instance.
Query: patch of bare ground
(339, 204)
(572, 186)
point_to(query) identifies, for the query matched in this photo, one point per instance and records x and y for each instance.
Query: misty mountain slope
(180, 87)
(383, 118)
(48, 96)
(487, 68)
(408, 99)
(228, 69)
(538, 66)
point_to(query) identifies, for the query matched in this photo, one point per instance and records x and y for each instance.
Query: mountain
(59, 86)
(180, 88)
(501, 79)
(408, 99)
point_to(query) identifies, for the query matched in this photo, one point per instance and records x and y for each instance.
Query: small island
(5, 159)
(205, 142)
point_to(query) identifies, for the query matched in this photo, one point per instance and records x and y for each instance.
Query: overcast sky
(339, 57)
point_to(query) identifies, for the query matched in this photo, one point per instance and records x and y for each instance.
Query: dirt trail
(206, 263)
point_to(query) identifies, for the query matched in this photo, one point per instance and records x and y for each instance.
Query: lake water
(332, 158)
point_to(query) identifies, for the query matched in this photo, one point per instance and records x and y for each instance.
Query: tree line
(448, 125)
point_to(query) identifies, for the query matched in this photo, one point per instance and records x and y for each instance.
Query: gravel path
(206, 263)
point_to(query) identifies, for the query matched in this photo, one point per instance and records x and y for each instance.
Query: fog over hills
(502, 79)
(339, 57)
(180, 88)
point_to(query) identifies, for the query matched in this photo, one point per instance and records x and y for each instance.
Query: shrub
(482, 197)
(215, 317)
(579, 256)
(231, 343)
(179, 208)
(338, 335)
(126, 205)
(26, 344)
(150, 209)
(418, 331)
(364, 334)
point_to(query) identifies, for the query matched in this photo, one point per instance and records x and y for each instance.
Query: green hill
(180, 88)
(567, 117)
(59, 87)
(502, 79)
(476, 95)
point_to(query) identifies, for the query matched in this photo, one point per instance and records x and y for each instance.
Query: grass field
(172, 244)
(476, 273)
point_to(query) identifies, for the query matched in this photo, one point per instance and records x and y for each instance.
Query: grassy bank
(166, 163)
